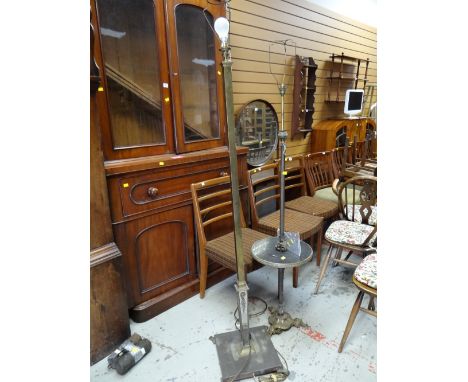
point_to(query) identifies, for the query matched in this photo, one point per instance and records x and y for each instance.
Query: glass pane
(196, 49)
(341, 137)
(256, 128)
(131, 61)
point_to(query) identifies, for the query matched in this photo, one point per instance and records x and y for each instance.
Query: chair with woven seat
(296, 191)
(352, 233)
(212, 204)
(365, 279)
(264, 188)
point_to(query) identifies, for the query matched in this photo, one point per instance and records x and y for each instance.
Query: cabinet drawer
(156, 190)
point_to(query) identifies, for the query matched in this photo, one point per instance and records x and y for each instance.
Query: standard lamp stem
(241, 286)
(282, 135)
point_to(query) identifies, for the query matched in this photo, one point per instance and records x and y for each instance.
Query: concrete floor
(181, 349)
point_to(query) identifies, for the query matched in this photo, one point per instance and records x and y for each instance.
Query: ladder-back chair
(212, 204)
(264, 187)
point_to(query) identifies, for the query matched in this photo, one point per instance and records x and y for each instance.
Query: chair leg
(203, 272)
(319, 246)
(352, 317)
(295, 276)
(338, 254)
(323, 268)
(371, 305)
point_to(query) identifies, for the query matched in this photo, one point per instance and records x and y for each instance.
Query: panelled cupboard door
(132, 56)
(196, 74)
(159, 253)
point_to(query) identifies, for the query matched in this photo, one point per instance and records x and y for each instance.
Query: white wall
(364, 11)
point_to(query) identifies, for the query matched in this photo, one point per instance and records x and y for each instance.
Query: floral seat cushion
(357, 214)
(346, 232)
(366, 272)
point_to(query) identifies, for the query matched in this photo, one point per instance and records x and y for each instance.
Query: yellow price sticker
(285, 173)
(100, 89)
(125, 185)
(161, 163)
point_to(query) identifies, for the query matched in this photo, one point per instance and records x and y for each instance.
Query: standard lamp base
(263, 358)
(280, 322)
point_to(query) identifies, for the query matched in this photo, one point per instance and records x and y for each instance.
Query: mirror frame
(275, 144)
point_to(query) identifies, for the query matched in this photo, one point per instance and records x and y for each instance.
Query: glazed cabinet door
(135, 97)
(196, 74)
(158, 253)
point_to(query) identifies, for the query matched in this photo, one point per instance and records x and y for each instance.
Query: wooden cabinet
(109, 323)
(153, 223)
(163, 124)
(162, 90)
(331, 133)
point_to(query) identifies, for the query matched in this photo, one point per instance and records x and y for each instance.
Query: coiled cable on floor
(251, 298)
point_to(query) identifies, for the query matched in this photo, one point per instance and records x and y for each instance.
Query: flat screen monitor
(353, 101)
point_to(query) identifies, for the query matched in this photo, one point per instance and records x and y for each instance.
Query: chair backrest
(212, 203)
(295, 183)
(318, 169)
(356, 196)
(263, 184)
(337, 161)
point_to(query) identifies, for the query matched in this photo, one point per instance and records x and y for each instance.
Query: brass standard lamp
(246, 352)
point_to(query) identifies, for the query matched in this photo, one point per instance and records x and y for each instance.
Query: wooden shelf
(336, 89)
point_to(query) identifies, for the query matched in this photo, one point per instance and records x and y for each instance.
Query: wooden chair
(296, 191)
(363, 155)
(319, 174)
(349, 168)
(365, 279)
(212, 204)
(353, 231)
(338, 162)
(263, 183)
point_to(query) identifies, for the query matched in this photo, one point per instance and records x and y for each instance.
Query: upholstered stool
(365, 279)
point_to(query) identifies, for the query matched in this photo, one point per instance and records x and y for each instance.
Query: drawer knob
(152, 192)
(223, 173)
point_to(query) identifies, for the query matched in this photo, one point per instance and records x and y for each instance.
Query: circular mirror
(257, 129)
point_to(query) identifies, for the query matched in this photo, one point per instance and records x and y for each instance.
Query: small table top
(264, 251)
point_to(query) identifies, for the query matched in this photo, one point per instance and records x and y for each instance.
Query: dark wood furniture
(162, 116)
(297, 198)
(345, 74)
(303, 95)
(331, 133)
(109, 323)
(357, 199)
(264, 188)
(365, 279)
(318, 169)
(212, 204)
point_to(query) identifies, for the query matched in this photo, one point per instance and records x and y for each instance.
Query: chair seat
(294, 221)
(314, 206)
(366, 272)
(327, 194)
(347, 232)
(357, 215)
(222, 249)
